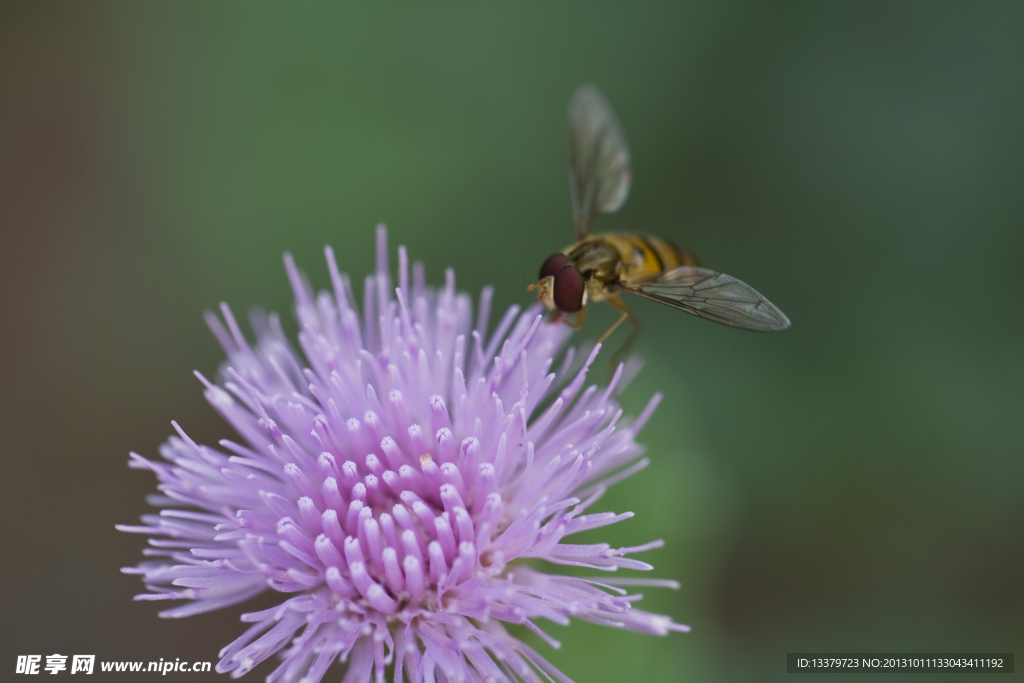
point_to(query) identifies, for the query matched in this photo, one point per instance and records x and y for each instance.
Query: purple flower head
(389, 481)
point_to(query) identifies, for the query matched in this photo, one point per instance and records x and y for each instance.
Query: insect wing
(598, 158)
(714, 296)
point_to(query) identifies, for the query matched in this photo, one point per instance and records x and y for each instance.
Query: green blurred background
(851, 484)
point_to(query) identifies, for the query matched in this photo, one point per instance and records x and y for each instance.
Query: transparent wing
(715, 296)
(598, 158)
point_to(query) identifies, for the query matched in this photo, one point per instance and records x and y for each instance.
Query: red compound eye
(569, 287)
(554, 263)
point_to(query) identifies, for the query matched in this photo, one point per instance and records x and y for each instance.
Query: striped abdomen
(643, 257)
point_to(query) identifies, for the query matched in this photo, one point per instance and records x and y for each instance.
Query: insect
(600, 266)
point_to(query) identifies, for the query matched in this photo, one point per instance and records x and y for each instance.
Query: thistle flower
(391, 479)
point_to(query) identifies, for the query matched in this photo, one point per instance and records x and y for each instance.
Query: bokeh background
(852, 484)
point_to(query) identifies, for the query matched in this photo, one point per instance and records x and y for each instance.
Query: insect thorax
(596, 258)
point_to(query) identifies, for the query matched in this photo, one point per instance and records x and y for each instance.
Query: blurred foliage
(850, 484)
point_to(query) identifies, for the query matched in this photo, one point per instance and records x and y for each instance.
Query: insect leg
(626, 315)
(580, 317)
(617, 303)
(560, 317)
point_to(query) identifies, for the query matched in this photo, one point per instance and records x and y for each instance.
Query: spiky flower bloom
(392, 478)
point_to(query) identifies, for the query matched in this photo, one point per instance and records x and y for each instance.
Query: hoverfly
(601, 265)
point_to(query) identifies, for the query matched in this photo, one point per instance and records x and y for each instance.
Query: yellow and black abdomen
(645, 256)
